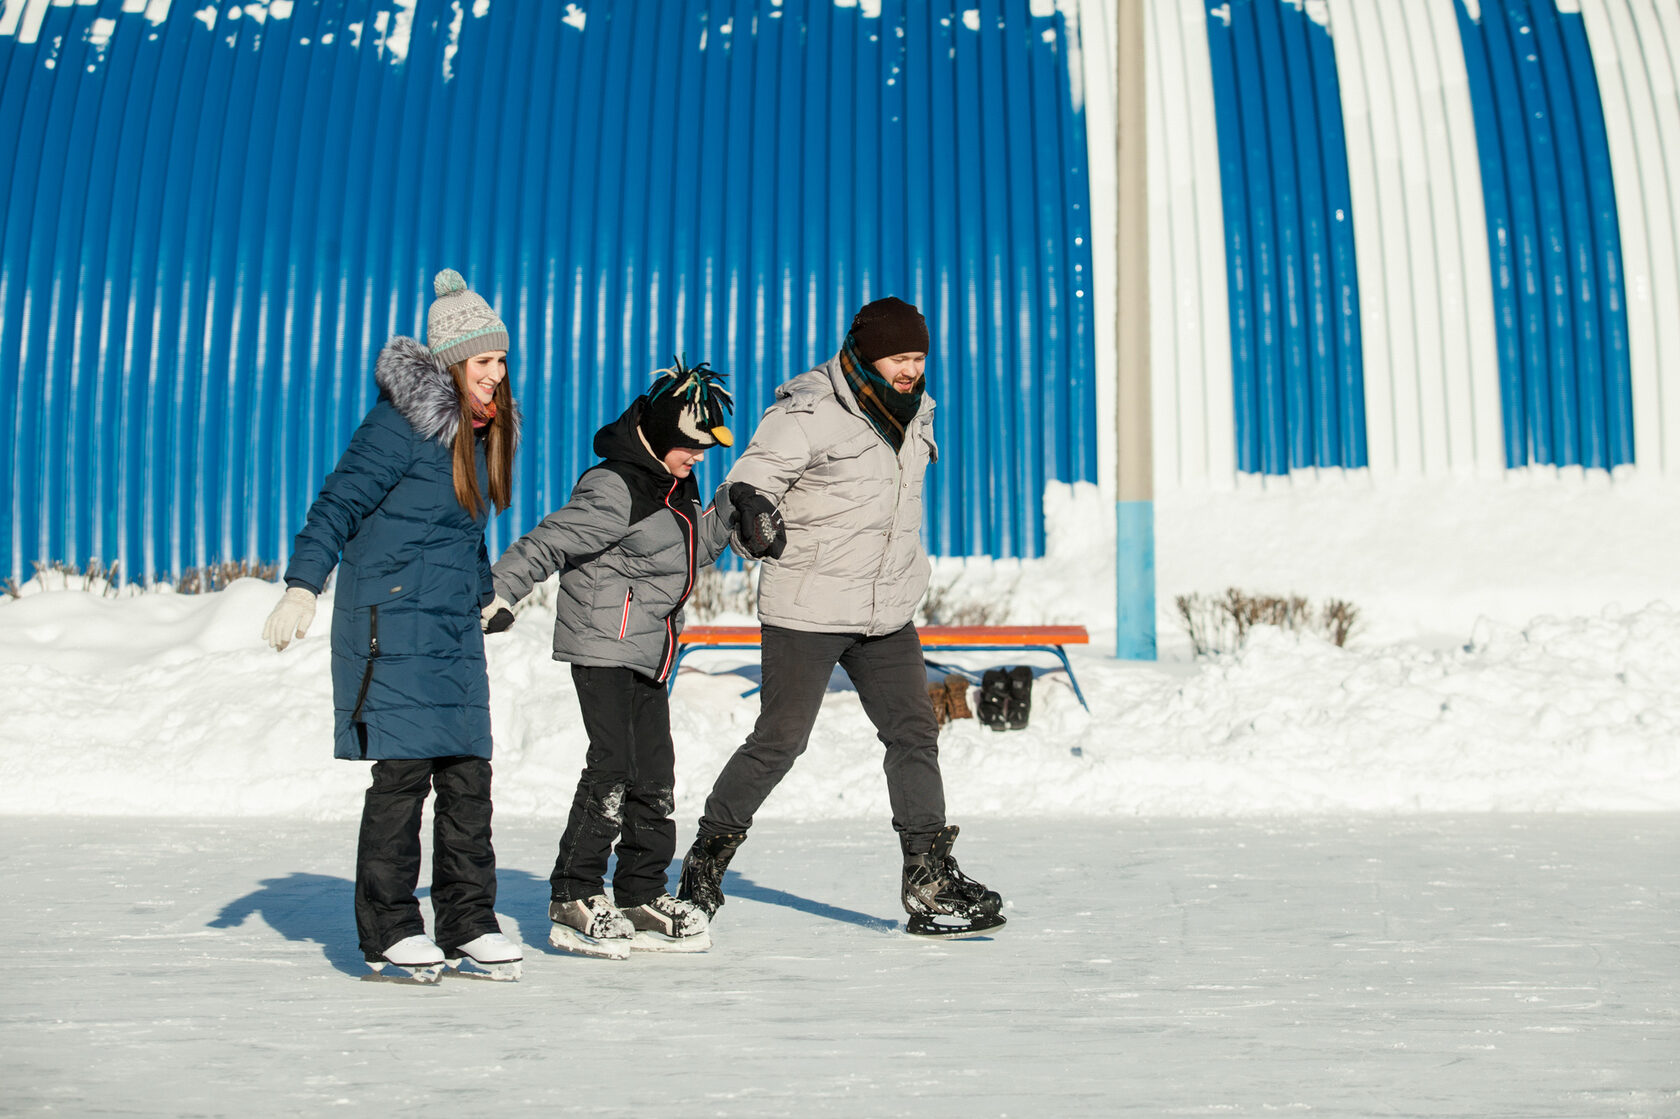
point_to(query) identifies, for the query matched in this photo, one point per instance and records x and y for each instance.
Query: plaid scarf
(889, 410)
(482, 414)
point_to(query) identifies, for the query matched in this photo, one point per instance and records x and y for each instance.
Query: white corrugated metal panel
(1431, 386)
(1191, 359)
(1634, 45)
(1474, 394)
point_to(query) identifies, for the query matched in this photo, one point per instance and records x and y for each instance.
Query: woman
(405, 508)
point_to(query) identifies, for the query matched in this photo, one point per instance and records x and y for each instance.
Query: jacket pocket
(399, 627)
(805, 580)
(624, 617)
(372, 590)
(859, 444)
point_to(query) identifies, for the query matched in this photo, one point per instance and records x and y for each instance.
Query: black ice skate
(702, 871)
(995, 696)
(1020, 696)
(668, 924)
(942, 901)
(590, 927)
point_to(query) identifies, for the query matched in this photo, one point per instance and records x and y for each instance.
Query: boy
(627, 546)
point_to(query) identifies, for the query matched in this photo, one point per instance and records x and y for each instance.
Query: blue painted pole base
(1134, 567)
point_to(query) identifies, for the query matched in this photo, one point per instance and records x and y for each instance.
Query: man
(841, 454)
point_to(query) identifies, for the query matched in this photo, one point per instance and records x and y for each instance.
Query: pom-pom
(448, 282)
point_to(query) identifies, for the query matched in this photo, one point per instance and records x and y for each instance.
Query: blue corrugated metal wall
(1560, 311)
(1297, 392)
(216, 217)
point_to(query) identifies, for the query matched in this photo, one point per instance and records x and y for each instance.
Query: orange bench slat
(954, 636)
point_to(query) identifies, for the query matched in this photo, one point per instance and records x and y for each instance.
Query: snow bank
(170, 705)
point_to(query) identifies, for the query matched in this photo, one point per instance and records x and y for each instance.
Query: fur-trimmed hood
(418, 383)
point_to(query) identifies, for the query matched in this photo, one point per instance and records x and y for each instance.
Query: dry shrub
(95, 578)
(1220, 624)
(216, 576)
(98, 578)
(945, 605)
(1336, 618)
(723, 592)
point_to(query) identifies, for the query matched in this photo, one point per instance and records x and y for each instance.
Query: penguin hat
(686, 407)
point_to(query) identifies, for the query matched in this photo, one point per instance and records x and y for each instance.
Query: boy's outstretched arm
(597, 517)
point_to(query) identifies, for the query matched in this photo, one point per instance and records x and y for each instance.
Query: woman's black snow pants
(388, 853)
(624, 793)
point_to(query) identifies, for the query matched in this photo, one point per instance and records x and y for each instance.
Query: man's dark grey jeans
(891, 680)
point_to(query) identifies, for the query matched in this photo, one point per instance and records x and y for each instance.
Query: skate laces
(668, 905)
(603, 919)
(960, 882)
(941, 873)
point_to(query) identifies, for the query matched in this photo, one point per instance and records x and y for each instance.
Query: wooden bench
(978, 639)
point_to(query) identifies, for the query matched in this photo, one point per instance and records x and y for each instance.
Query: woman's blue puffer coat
(409, 678)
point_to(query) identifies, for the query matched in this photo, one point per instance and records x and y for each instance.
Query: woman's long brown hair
(500, 438)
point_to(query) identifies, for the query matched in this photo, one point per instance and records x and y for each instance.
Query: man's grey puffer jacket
(854, 561)
(627, 546)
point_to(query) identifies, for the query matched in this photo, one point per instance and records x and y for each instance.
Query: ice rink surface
(1478, 966)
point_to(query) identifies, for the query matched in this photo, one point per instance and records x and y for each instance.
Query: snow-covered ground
(1430, 873)
(1518, 650)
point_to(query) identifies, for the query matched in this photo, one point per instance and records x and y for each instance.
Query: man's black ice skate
(702, 871)
(943, 901)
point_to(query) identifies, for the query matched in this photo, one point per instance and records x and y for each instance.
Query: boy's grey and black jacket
(413, 575)
(627, 546)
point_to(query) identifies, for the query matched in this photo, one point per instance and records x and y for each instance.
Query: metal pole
(1134, 543)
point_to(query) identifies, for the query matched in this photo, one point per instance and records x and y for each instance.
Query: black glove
(759, 524)
(497, 616)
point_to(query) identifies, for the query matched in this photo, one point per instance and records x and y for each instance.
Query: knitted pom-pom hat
(461, 324)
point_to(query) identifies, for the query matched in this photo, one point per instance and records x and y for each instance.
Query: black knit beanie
(886, 327)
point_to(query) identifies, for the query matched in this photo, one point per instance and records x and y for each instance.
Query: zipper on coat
(624, 622)
(892, 531)
(367, 673)
(690, 544)
(690, 533)
(670, 648)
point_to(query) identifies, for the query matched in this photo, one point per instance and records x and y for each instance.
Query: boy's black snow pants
(388, 853)
(625, 792)
(891, 680)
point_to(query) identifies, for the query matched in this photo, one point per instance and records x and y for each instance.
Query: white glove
(497, 616)
(290, 617)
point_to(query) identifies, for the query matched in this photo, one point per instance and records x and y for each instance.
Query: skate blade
(953, 928)
(646, 940)
(568, 939)
(402, 973)
(506, 971)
